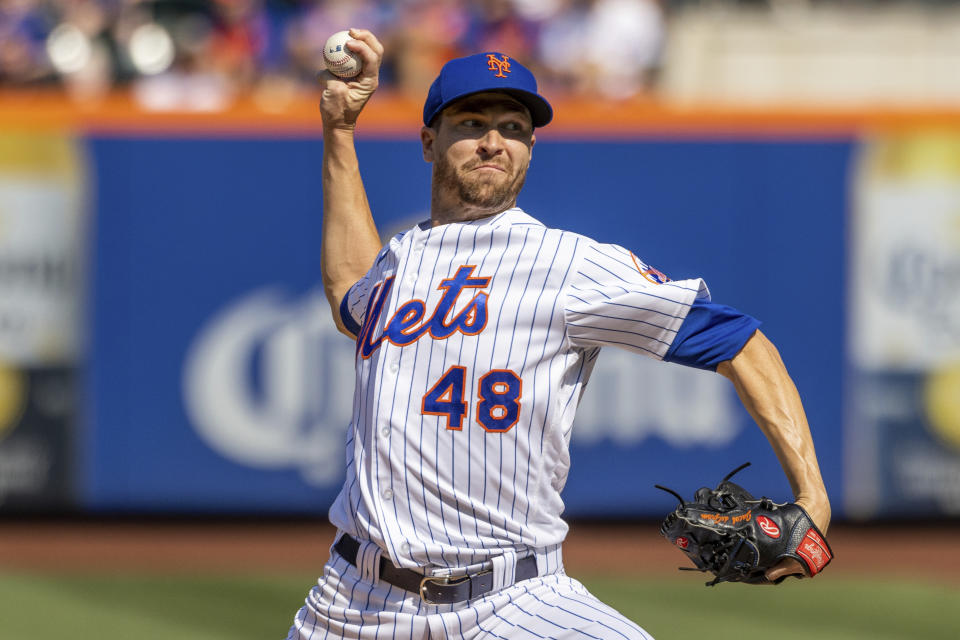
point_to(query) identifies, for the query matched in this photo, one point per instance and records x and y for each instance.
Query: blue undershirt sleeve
(710, 334)
(348, 322)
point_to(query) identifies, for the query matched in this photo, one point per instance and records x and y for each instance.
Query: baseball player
(476, 332)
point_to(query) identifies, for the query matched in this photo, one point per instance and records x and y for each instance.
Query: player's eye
(515, 127)
(471, 123)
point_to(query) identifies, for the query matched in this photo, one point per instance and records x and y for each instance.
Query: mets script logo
(501, 66)
(407, 325)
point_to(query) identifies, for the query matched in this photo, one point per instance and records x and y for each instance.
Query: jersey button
(411, 278)
(385, 432)
(387, 494)
(405, 548)
(394, 367)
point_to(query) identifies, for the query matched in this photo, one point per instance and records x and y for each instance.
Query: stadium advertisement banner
(903, 446)
(41, 211)
(217, 380)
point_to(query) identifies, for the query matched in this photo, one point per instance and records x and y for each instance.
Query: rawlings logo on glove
(736, 537)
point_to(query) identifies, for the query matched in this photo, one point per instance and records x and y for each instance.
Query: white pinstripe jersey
(476, 342)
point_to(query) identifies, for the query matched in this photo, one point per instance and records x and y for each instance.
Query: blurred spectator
(495, 25)
(81, 47)
(239, 40)
(24, 26)
(537, 10)
(609, 48)
(426, 34)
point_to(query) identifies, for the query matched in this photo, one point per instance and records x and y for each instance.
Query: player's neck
(461, 212)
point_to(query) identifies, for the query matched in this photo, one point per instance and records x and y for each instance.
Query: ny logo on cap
(502, 66)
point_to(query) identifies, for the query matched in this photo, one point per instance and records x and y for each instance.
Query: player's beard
(487, 191)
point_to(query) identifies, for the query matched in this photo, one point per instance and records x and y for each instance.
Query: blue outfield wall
(217, 381)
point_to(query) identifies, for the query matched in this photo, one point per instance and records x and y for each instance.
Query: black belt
(435, 590)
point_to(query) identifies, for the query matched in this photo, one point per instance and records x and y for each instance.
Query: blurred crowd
(203, 54)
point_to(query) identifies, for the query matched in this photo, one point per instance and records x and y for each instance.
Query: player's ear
(427, 137)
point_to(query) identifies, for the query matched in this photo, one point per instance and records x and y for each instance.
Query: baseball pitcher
(476, 332)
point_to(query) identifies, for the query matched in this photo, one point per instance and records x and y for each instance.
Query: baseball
(340, 61)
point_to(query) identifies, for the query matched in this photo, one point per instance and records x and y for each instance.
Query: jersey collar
(514, 215)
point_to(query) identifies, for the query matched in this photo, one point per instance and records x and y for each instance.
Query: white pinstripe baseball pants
(345, 605)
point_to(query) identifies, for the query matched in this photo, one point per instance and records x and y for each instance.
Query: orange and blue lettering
(500, 391)
(379, 295)
(407, 325)
(446, 398)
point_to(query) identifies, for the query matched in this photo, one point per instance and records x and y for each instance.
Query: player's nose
(491, 142)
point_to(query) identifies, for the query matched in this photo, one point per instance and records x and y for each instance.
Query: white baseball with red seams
(339, 60)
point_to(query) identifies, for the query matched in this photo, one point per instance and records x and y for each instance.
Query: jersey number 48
(498, 395)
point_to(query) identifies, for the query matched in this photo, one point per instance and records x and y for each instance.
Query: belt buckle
(442, 581)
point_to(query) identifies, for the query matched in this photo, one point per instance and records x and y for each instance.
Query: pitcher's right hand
(343, 99)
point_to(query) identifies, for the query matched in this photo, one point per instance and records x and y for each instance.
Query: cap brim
(541, 113)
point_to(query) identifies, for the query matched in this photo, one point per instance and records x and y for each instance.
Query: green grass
(148, 607)
(829, 609)
(258, 607)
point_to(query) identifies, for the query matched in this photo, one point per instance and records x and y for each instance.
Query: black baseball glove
(736, 537)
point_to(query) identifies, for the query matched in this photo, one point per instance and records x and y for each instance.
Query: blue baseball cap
(481, 72)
